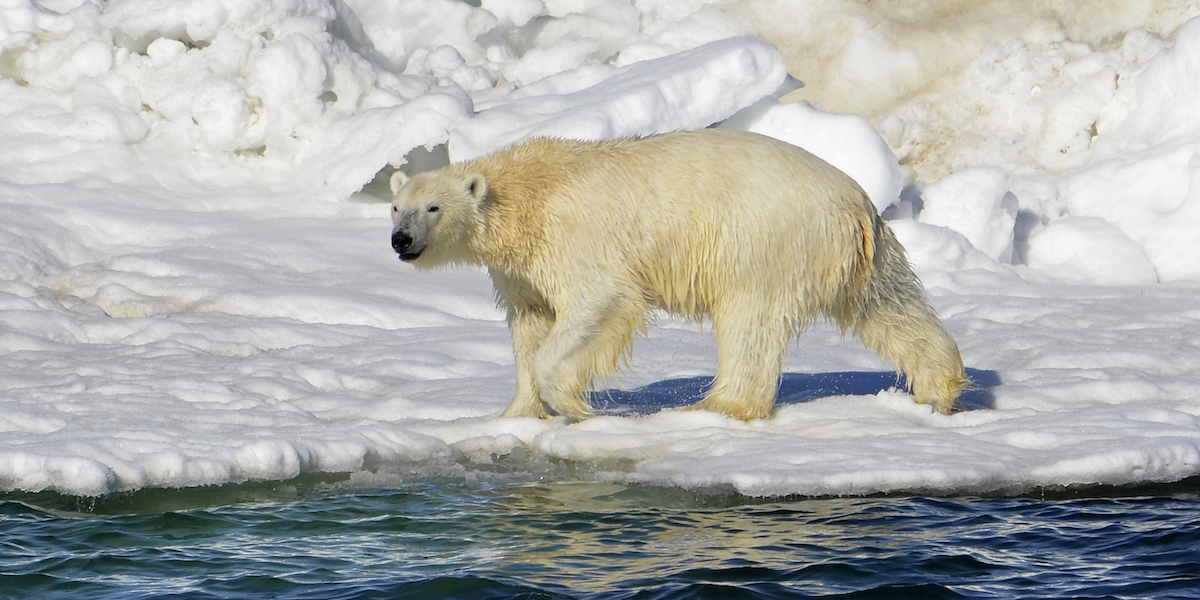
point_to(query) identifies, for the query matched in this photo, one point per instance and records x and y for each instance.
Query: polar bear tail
(893, 317)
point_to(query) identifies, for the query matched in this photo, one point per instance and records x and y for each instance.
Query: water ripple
(432, 538)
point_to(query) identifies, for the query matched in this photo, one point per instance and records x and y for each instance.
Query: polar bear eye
(434, 208)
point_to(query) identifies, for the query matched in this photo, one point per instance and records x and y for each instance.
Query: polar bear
(583, 240)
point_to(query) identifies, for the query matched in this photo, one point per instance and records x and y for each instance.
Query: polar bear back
(685, 217)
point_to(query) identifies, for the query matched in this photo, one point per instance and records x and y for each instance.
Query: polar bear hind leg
(895, 320)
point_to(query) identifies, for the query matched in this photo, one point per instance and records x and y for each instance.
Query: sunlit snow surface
(193, 293)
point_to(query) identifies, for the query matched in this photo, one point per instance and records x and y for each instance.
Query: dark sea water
(447, 537)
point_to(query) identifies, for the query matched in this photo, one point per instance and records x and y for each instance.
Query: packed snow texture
(196, 286)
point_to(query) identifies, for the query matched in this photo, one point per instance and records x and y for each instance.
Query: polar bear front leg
(529, 330)
(587, 339)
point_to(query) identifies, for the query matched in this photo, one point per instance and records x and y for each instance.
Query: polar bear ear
(397, 181)
(478, 188)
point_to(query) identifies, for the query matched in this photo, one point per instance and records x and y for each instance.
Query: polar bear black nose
(401, 242)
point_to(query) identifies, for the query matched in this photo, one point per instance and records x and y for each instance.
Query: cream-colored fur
(584, 239)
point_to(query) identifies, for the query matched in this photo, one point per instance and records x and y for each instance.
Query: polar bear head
(434, 214)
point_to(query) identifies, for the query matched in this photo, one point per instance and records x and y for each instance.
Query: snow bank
(1096, 128)
(193, 292)
(1089, 250)
(689, 90)
(848, 142)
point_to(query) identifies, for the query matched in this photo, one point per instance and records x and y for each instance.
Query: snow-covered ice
(196, 286)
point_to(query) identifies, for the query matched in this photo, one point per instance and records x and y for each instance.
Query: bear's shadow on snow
(794, 388)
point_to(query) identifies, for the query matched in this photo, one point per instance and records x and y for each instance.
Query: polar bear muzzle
(410, 235)
(404, 245)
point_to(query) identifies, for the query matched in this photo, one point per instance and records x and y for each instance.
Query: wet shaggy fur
(584, 239)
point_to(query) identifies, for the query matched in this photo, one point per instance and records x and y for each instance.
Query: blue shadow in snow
(794, 388)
